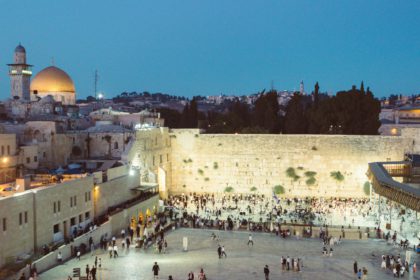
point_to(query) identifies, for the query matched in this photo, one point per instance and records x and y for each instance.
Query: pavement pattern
(242, 262)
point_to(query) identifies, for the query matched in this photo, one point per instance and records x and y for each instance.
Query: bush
(279, 189)
(207, 179)
(290, 172)
(311, 181)
(200, 171)
(229, 189)
(253, 189)
(336, 175)
(310, 174)
(366, 188)
(215, 165)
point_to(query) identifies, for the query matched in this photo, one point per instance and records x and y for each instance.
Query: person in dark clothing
(219, 251)
(155, 270)
(87, 271)
(266, 272)
(355, 267)
(93, 273)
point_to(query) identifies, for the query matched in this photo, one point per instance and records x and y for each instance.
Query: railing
(384, 185)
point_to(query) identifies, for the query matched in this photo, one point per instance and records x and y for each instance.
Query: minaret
(20, 75)
(301, 88)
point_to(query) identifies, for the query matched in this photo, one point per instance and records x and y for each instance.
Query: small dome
(20, 49)
(52, 79)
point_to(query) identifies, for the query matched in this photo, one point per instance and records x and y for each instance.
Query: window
(153, 160)
(116, 145)
(90, 198)
(28, 160)
(44, 154)
(74, 201)
(73, 221)
(59, 206)
(20, 218)
(71, 201)
(87, 215)
(2, 150)
(56, 228)
(80, 219)
(35, 158)
(55, 207)
(87, 196)
(8, 149)
(26, 217)
(160, 158)
(4, 224)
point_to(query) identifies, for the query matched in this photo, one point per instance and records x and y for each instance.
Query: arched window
(116, 145)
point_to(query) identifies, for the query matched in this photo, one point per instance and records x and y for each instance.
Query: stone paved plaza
(242, 262)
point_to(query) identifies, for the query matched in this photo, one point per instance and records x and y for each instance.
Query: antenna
(96, 83)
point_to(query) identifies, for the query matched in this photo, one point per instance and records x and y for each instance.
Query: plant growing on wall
(310, 174)
(190, 160)
(253, 189)
(220, 144)
(366, 188)
(337, 176)
(278, 189)
(215, 165)
(200, 171)
(300, 168)
(207, 179)
(314, 148)
(291, 173)
(229, 189)
(184, 186)
(310, 181)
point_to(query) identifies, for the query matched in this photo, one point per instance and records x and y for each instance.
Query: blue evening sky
(191, 47)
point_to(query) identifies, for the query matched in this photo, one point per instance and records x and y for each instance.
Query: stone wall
(151, 154)
(212, 162)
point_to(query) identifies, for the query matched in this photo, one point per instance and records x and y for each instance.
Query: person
(78, 254)
(100, 263)
(224, 252)
(59, 257)
(266, 272)
(282, 262)
(414, 267)
(201, 275)
(155, 270)
(219, 251)
(22, 277)
(96, 261)
(93, 273)
(355, 267)
(170, 277)
(331, 252)
(110, 249)
(115, 251)
(250, 241)
(87, 271)
(191, 275)
(359, 274)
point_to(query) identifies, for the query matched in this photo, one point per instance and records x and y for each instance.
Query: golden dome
(52, 79)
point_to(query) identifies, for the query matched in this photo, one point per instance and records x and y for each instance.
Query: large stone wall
(212, 162)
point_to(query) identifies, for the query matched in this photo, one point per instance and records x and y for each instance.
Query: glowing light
(5, 160)
(394, 131)
(100, 96)
(131, 172)
(28, 72)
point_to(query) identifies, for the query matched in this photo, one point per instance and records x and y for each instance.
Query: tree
(295, 119)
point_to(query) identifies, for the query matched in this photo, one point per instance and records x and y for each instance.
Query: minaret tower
(301, 88)
(20, 75)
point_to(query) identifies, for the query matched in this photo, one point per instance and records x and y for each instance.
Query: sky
(190, 47)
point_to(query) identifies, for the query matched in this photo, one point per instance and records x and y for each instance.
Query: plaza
(242, 262)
